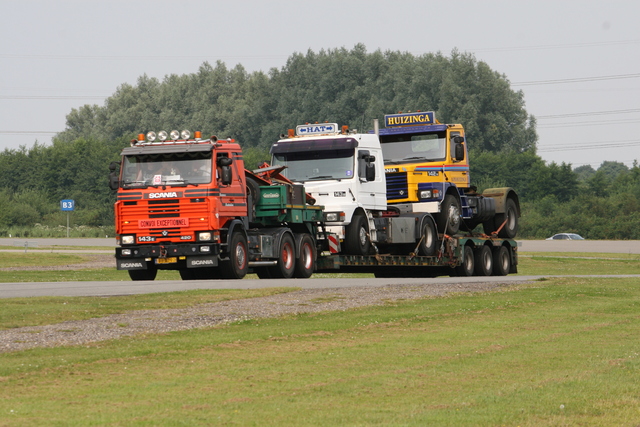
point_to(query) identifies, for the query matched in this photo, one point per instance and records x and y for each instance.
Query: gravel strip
(142, 322)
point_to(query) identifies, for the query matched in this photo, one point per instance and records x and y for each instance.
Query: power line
(27, 132)
(50, 97)
(594, 113)
(577, 80)
(591, 147)
(139, 57)
(557, 46)
(583, 124)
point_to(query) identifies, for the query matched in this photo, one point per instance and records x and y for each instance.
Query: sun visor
(164, 149)
(329, 144)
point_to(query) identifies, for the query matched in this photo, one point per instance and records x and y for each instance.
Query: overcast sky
(577, 62)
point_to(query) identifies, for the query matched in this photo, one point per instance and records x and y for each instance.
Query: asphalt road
(11, 290)
(606, 246)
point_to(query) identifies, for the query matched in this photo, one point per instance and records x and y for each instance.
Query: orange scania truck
(188, 204)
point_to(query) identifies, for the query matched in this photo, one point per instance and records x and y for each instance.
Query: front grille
(397, 187)
(167, 208)
(132, 215)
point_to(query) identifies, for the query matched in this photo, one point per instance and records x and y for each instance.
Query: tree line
(350, 87)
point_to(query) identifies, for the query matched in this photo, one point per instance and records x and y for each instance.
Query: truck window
(166, 169)
(414, 148)
(316, 165)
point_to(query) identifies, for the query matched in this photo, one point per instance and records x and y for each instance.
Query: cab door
(371, 185)
(232, 191)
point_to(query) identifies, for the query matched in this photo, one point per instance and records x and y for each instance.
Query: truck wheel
(262, 272)
(149, 274)
(510, 229)
(466, 268)
(237, 265)
(286, 261)
(501, 261)
(356, 239)
(188, 274)
(449, 217)
(306, 263)
(203, 273)
(483, 260)
(429, 241)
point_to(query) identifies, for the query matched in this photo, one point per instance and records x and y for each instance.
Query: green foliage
(350, 87)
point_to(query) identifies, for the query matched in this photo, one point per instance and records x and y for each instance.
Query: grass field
(562, 351)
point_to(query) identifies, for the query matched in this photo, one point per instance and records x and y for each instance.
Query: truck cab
(178, 201)
(343, 171)
(427, 170)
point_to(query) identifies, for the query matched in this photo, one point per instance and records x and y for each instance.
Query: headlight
(204, 236)
(126, 252)
(205, 248)
(334, 216)
(162, 135)
(185, 134)
(151, 136)
(175, 134)
(425, 194)
(128, 240)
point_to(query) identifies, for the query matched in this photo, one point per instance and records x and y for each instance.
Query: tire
(483, 260)
(467, 267)
(449, 217)
(149, 274)
(510, 229)
(501, 261)
(286, 261)
(188, 274)
(429, 242)
(356, 239)
(203, 273)
(237, 265)
(262, 272)
(305, 264)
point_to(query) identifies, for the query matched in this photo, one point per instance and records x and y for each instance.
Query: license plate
(170, 260)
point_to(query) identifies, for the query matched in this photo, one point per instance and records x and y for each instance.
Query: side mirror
(370, 171)
(225, 170)
(114, 182)
(458, 148)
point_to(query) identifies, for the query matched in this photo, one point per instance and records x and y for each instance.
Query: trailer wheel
(237, 265)
(483, 260)
(466, 268)
(429, 241)
(286, 261)
(501, 261)
(149, 274)
(356, 240)
(449, 217)
(306, 263)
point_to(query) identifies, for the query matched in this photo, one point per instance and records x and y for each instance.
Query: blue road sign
(67, 205)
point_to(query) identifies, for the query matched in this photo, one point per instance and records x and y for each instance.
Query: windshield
(166, 169)
(317, 165)
(414, 148)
